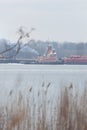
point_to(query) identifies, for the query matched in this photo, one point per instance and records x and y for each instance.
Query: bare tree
(17, 46)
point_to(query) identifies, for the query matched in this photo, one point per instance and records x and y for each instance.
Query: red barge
(75, 59)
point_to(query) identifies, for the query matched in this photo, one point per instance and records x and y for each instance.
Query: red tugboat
(75, 59)
(50, 57)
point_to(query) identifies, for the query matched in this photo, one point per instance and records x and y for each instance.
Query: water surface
(19, 77)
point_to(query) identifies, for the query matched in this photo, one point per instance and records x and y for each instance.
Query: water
(18, 77)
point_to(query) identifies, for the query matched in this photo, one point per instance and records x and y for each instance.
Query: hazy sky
(58, 20)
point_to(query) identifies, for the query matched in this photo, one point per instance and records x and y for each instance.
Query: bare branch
(22, 34)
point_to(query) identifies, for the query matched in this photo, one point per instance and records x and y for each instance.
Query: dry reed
(69, 113)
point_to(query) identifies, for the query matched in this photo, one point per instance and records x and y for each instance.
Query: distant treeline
(62, 49)
(34, 48)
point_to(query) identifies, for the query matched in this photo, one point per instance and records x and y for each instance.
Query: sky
(56, 20)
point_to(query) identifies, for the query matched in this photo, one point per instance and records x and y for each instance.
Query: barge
(76, 59)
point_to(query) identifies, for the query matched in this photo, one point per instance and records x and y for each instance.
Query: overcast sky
(58, 20)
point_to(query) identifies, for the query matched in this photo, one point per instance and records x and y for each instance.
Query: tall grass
(68, 113)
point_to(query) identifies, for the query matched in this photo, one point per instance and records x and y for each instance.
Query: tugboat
(50, 57)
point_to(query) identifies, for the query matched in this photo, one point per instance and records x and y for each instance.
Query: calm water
(18, 77)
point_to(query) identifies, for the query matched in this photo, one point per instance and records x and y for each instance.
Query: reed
(68, 113)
